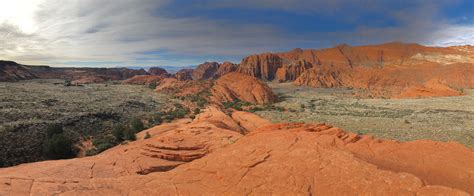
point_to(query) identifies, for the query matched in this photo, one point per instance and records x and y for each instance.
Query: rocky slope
(157, 71)
(205, 71)
(184, 74)
(236, 86)
(143, 79)
(210, 156)
(226, 68)
(86, 74)
(11, 71)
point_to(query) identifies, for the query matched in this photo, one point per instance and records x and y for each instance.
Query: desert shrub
(199, 98)
(197, 110)
(58, 146)
(147, 135)
(156, 119)
(54, 129)
(102, 143)
(129, 134)
(302, 106)
(118, 132)
(178, 112)
(236, 104)
(152, 85)
(136, 125)
(255, 109)
(202, 102)
(292, 110)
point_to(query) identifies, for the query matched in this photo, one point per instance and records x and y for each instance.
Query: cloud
(124, 32)
(86, 30)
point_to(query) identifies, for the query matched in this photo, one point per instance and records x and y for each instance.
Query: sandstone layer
(236, 86)
(157, 71)
(11, 71)
(209, 156)
(184, 74)
(143, 79)
(392, 70)
(205, 71)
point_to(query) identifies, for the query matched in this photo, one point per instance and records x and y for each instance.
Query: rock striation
(143, 79)
(391, 70)
(157, 71)
(209, 156)
(225, 68)
(207, 70)
(11, 71)
(263, 66)
(184, 74)
(237, 86)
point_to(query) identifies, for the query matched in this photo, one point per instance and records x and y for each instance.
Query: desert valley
(236, 97)
(393, 118)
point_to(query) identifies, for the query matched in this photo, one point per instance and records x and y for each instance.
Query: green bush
(118, 132)
(197, 110)
(152, 85)
(136, 125)
(236, 104)
(130, 135)
(54, 129)
(104, 142)
(58, 146)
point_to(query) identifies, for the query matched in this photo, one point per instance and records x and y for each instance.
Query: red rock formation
(385, 70)
(11, 71)
(292, 71)
(143, 79)
(233, 86)
(262, 66)
(184, 74)
(226, 68)
(205, 71)
(157, 71)
(286, 159)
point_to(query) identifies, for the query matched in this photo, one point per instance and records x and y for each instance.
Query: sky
(113, 33)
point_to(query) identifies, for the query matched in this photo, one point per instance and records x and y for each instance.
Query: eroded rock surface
(207, 156)
(205, 71)
(237, 86)
(157, 71)
(390, 70)
(11, 71)
(184, 74)
(143, 79)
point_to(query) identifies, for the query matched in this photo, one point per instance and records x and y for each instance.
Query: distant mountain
(11, 71)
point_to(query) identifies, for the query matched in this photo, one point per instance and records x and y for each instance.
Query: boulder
(143, 79)
(237, 86)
